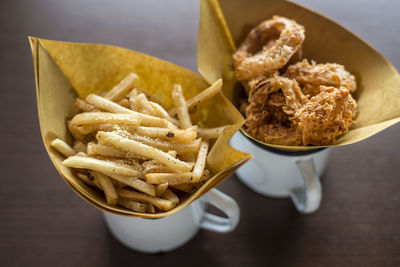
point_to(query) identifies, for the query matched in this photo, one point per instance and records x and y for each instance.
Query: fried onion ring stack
(309, 104)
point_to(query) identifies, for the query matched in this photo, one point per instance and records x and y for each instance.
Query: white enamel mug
(170, 232)
(277, 173)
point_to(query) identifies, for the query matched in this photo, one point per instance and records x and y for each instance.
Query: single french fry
(160, 203)
(132, 104)
(160, 189)
(170, 125)
(210, 133)
(73, 129)
(107, 105)
(82, 105)
(79, 146)
(118, 184)
(132, 205)
(181, 107)
(108, 187)
(143, 103)
(105, 117)
(184, 136)
(173, 178)
(108, 151)
(169, 195)
(143, 150)
(201, 161)
(102, 166)
(187, 188)
(153, 166)
(121, 89)
(99, 149)
(133, 93)
(124, 102)
(172, 153)
(134, 118)
(150, 208)
(134, 163)
(189, 157)
(87, 180)
(162, 113)
(89, 128)
(62, 147)
(135, 183)
(166, 146)
(193, 102)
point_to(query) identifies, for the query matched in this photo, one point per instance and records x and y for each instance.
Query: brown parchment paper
(226, 23)
(64, 70)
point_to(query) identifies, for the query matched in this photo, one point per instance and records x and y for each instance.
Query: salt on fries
(143, 157)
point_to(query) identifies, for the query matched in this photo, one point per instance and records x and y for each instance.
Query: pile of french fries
(142, 157)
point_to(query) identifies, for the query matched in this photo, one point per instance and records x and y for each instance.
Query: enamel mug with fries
(142, 139)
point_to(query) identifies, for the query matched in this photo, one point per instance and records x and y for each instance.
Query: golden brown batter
(310, 104)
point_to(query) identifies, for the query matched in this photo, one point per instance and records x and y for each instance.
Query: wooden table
(43, 223)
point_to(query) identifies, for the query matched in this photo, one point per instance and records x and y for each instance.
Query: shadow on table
(191, 254)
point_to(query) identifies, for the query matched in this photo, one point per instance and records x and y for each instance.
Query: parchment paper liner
(63, 70)
(225, 24)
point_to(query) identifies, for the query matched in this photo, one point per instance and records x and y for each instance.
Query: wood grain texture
(43, 223)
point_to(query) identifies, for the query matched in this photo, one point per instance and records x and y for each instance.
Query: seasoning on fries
(143, 157)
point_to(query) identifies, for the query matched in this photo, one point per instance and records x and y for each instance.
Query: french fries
(103, 166)
(210, 133)
(132, 205)
(160, 189)
(107, 185)
(135, 183)
(184, 136)
(162, 113)
(203, 96)
(174, 178)
(88, 180)
(143, 150)
(107, 105)
(181, 107)
(167, 146)
(135, 151)
(143, 103)
(201, 161)
(121, 89)
(63, 147)
(160, 203)
(124, 102)
(82, 105)
(79, 146)
(169, 195)
(135, 118)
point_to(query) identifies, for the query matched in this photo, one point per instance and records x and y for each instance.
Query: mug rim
(279, 151)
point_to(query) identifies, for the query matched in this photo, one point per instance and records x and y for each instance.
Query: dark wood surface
(43, 223)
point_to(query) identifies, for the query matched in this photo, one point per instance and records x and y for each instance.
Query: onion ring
(272, 104)
(311, 76)
(268, 47)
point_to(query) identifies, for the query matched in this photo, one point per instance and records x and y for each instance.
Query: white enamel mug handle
(307, 198)
(228, 206)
